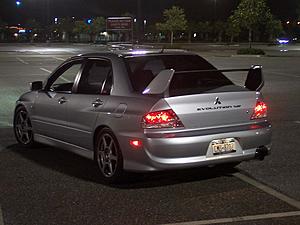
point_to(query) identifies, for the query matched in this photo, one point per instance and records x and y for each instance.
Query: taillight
(260, 110)
(161, 119)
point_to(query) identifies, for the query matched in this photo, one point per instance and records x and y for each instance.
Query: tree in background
(298, 11)
(205, 29)
(250, 14)
(80, 27)
(220, 28)
(65, 26)
(174, 20)
(35, 28)
(274, 28)
(233, 29)
(3, 29)
(192, 27)
(98, 25)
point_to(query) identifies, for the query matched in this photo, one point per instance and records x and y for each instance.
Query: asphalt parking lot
(45, 185)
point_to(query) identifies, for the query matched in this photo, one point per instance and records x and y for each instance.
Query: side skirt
(64, 145)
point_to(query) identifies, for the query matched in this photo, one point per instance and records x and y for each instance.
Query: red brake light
(260, 110)
(161, 119)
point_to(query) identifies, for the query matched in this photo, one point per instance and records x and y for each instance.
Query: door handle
(62, 100)
(97, 103)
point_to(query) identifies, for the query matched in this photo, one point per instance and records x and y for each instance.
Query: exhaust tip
(261, 152)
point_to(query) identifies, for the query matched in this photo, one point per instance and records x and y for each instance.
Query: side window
(65, 81)
(96, 77)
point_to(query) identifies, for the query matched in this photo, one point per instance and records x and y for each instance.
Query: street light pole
(139, 20)
(215, 17)
(48, 20)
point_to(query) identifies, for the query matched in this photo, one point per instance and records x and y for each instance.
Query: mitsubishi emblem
(217, 102)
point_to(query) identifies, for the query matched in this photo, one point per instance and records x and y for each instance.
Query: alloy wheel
(107, 157)
(23, 127)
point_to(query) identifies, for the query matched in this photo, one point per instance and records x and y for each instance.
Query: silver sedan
(146, 111)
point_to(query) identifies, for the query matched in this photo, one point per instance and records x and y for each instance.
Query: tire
(108, 157)
(23, 128)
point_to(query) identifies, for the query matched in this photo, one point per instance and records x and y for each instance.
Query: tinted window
(142, 70)
(94, 77)
(66, 77)
(196, 83)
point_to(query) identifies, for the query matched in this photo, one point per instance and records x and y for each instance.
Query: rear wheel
(108, 156)
(23, 128)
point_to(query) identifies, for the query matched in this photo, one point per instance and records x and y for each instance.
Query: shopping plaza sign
(119, 23)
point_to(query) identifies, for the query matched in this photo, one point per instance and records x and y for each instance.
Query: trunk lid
(209, 110)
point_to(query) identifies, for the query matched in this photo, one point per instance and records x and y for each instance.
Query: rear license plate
(223, 146)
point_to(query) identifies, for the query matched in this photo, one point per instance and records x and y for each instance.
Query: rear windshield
(142, 70)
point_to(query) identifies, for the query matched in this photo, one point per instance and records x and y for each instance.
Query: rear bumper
(175, 152)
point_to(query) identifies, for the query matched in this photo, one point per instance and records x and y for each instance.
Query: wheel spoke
(111, 144)
(101, 155)
(26, 129)
(23, 116)
(104, 142)
(109, 166)
(113, 157)
(26, 135)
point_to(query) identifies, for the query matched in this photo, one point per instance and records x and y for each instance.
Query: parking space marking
(48, 71)
(22, 61)
(61, 59)
(241, 218)
(1, 216)
(268, 190)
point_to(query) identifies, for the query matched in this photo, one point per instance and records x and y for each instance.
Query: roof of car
(130, 51)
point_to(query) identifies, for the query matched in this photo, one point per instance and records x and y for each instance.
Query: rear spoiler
(160, 84)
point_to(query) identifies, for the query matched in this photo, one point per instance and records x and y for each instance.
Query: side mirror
(36, 86)
(255, 81)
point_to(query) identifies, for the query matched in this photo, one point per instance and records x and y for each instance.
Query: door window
(65, 78)
(96, 78)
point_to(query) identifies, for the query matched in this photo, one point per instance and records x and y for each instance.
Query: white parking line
(268, 190)
(241, 218)
(1, 216)
(22, 61)
(61, 59)
(48, 71)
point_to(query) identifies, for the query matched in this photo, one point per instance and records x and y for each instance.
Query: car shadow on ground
(73, 165)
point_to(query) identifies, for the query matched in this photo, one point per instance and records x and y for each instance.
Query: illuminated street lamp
(18, 3)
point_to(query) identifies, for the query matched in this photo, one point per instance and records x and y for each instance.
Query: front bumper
(163, 151)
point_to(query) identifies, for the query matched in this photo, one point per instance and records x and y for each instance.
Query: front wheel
(23, 128)
(108, 156)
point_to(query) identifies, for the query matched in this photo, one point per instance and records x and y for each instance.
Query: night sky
(151, 9)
